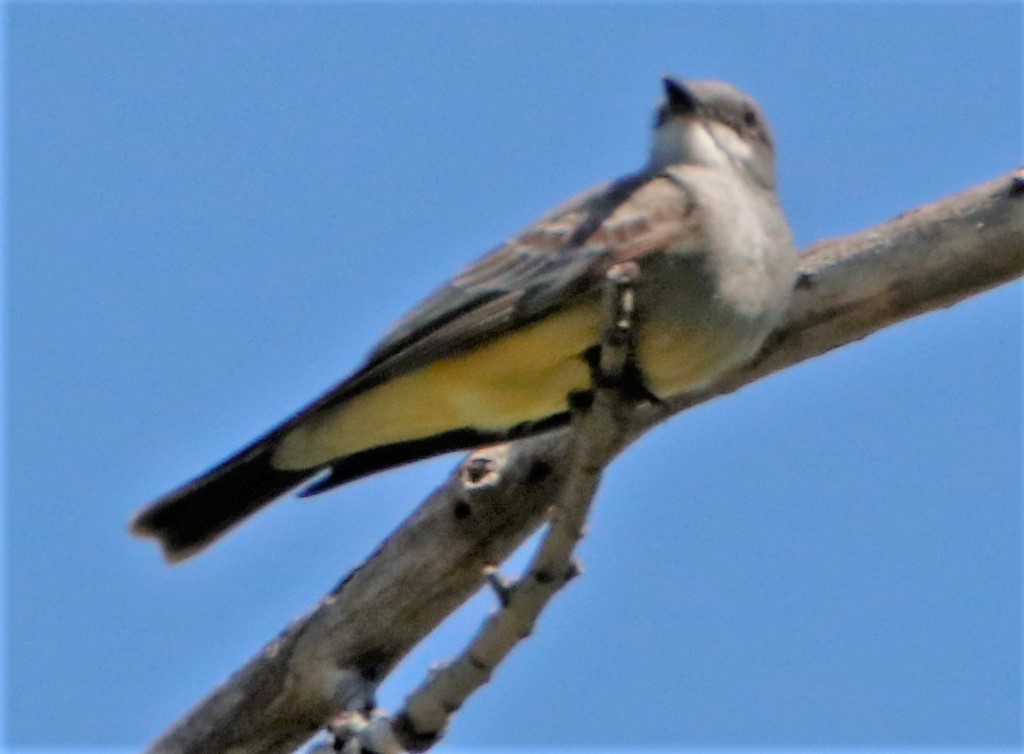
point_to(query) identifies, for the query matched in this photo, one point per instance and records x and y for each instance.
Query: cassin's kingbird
(496, 353)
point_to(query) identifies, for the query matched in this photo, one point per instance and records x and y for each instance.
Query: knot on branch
(482, 467)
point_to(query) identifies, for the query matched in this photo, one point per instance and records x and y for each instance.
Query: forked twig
(598, 429)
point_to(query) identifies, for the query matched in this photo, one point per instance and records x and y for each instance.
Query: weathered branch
(330, 660)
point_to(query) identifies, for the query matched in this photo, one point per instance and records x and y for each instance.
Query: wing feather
(560, 258)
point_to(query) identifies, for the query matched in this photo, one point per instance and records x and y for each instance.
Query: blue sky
(213, 212)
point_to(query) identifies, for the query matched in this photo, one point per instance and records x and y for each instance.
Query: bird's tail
(191, 517)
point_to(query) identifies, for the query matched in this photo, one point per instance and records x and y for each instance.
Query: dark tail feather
(188, 519)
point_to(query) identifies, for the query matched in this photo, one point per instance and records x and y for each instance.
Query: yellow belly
(675, 357)
(523, 376)
(520, 377)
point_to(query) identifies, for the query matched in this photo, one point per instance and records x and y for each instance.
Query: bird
(500, 351)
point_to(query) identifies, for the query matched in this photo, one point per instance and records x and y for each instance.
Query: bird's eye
(749, 118)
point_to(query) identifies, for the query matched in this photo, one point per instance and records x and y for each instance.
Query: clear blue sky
(214, 211)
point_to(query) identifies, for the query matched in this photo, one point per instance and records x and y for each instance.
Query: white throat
(697, 142)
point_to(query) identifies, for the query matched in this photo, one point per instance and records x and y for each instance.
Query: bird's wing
(557, 260)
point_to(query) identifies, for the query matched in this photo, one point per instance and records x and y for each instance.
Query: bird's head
(714, 124)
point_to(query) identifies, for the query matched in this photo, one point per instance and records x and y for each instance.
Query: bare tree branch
(331, 659)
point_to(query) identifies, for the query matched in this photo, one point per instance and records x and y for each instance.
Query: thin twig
(597, 430)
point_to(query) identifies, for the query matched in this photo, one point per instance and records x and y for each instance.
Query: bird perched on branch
(499, 351)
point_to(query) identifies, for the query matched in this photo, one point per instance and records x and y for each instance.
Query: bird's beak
(681, 100)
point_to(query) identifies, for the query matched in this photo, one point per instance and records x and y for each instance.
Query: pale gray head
(714, 124)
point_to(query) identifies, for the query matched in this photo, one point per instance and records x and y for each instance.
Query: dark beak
(680, 99)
